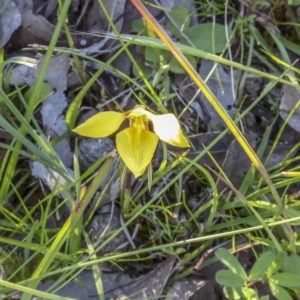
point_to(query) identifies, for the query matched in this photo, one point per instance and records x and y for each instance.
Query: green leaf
(277, 263)
(289, 45)
(45, 91)
(292, 265)
(231, 262)
(168, 250)
(229, 279)
(239, 293)
(180, 250)
(261, 265)
(151, 55)
(294, 2)
(279, 292)
(145, 69)
(181, 16)
(234, 293)
(265, 3)
(286, 280)
(207, 37)
(138, 26)
(264, 297)
(175, 66)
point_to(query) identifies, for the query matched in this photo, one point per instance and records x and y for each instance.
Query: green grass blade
(95, 267)
(70, 223)
(216, 105)
(32, 292)
(32, 102)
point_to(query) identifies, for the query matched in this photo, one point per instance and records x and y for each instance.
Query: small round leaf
(261, 265)
(279, 292)
(229, 279)
(286, 280)
(231, 262)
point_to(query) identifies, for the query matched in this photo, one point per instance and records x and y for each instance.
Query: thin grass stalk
(31, 104)
(118, 256)
(218, 107)
(69, 225)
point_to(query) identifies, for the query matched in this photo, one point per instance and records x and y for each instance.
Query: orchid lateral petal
(168, 129)
(136, 147)
(101, 125)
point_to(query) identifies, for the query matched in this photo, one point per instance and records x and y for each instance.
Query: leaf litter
(10, 20)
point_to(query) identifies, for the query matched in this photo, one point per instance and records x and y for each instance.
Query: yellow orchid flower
(136, 144)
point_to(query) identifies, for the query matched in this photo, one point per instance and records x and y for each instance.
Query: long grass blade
(216, 105)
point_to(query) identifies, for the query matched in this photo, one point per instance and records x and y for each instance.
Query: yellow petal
(136, 147)
(101, 125)
(168, 129)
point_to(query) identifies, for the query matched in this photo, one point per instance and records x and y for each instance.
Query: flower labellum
(136, 144)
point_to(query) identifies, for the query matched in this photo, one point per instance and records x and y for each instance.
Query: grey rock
(106, 220)
(223, 92)
(84, 287)
(10, 20)
(149, 286)
(90, 150)
(192, 289)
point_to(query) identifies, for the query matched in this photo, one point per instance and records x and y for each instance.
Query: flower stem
(127, 195)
